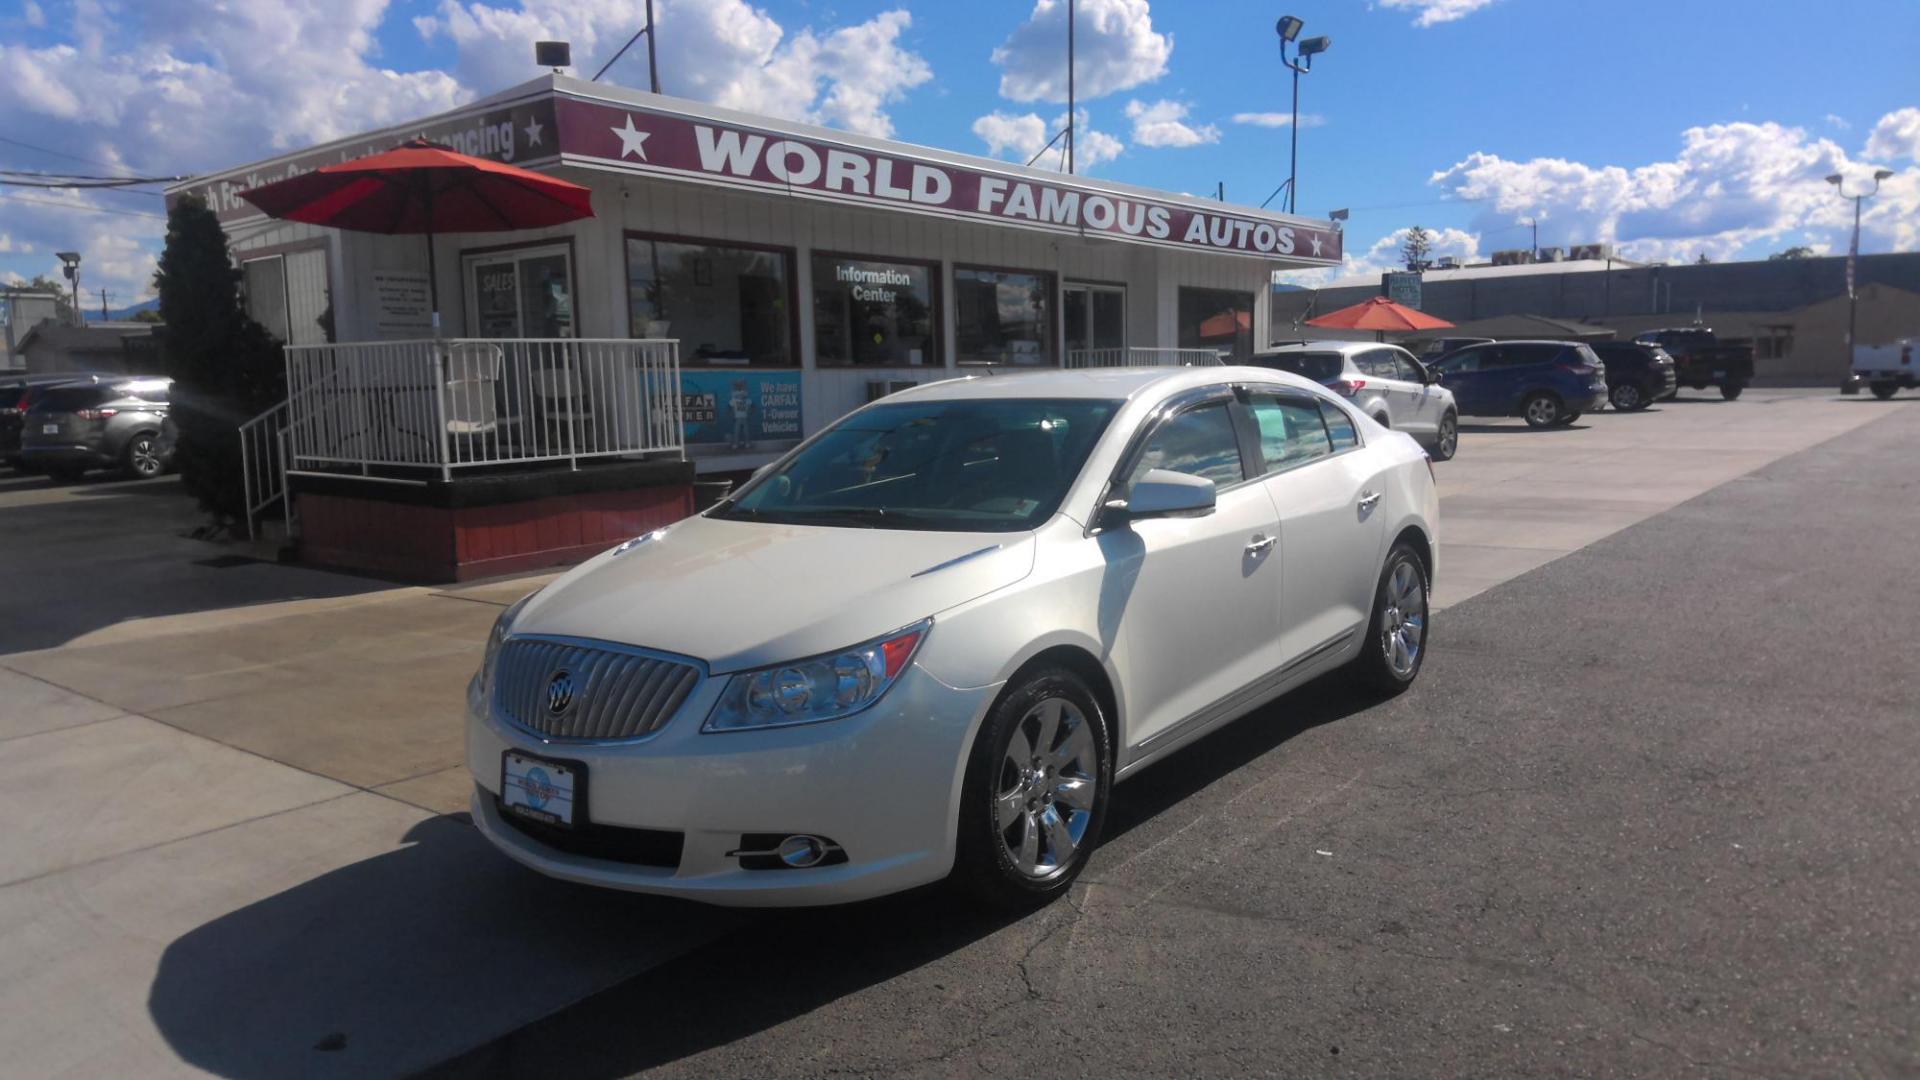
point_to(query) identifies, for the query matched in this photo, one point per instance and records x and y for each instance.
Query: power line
(61, 154)
(81, 206)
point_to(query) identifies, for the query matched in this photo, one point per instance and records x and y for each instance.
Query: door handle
(1260, 543)
(1368, 499)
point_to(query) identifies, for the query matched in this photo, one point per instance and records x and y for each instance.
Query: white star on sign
(533, 132)
(1314, 239)
(632, 141)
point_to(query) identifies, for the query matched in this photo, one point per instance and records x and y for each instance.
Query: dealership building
(798, 271)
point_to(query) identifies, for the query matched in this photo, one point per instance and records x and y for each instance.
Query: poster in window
(739, 411)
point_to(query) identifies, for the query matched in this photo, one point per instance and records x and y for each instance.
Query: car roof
(1345, 348)
(1106, 384)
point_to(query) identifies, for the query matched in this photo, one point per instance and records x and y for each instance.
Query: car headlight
(818, 688)
(496, 638)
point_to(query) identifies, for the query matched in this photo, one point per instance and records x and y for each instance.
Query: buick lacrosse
(930, 640)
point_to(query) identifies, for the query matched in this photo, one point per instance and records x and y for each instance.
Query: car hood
(740, 594)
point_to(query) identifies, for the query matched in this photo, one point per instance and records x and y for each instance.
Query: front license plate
(1719, 374)
(49, 429)
(540, 788)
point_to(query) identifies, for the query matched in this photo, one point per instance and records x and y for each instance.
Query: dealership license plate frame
(49, 429)
(575, 772)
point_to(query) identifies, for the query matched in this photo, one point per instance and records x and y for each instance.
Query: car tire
(1731, 392)
(1396, 644)
(1627, 397)
(1884, 390)
(141, 459)
(1446, 438)
(1542, 410)
(1015, 849)
(1568, 419)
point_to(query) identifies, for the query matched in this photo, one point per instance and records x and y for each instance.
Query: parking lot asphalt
(1648, 811)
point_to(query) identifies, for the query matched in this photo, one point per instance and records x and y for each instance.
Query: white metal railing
(263, 464)
(1142, 356)
(446, 404)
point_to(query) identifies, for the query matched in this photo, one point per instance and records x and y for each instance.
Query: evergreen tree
(1416, 248)
(226, 367)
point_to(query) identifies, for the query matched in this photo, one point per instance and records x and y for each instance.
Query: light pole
(1853, 255)
(70, 266)
(1289, 28)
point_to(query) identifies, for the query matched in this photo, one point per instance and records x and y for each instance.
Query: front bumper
(883, 785)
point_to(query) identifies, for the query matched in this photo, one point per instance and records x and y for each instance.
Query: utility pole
(1535, 224)
(1072, 121)
(653, 65)
(103, 305)
(1853, 255)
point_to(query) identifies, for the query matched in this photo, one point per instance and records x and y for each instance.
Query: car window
(1291, 431)
(70, 398)
(1528, 355)
(1404, 367)
(1339, 427)
(1318, 366)
(1379, 364)
(1464, 360)
(1198, 442)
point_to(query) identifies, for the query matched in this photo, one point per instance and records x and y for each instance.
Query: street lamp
(70, 266)
(1289, 29)
(1853, 254)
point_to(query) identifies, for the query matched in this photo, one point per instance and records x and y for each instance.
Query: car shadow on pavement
(785, 964)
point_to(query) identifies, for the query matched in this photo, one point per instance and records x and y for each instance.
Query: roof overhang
(560, 121)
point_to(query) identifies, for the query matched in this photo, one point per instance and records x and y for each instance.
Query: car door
(1464, 373)
(1192, 604)
(1414, 410)
(1331, 533)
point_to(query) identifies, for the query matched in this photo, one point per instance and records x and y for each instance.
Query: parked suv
(1383, 381)
(1700, 359)
(106, 422)
(17, 393)
(1637, 375)
(1546, 382)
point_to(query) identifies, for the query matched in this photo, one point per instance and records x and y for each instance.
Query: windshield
(989, 465)
(1318, 366)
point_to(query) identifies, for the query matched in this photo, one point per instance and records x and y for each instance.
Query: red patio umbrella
(420, 187)
(1379, 314)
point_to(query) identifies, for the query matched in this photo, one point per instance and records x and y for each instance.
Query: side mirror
(1431, 374)
(1165, 493)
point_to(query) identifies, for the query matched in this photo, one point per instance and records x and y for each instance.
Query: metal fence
(1142, 356)
(454, 403)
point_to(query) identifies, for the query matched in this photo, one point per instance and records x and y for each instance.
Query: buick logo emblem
(559, 693)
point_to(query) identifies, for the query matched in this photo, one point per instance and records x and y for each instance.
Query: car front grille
(569, 691)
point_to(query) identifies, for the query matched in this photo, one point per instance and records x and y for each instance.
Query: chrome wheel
(1044, 797)
(1626, 397)
(1542, 411)
(1403, 620)
(1449, 437)
(142, 459)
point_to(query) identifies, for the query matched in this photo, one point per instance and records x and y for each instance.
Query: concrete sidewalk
(233, 794)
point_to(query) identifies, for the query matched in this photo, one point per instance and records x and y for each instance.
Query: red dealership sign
(693, 147)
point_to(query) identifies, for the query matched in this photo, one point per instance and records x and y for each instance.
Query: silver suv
(1383, 381)
(103, 422)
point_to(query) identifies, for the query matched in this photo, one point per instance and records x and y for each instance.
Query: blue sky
(1671, 128)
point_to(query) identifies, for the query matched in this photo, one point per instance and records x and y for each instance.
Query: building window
(522, 293)
(727, 305)
(1003, 316)
(288, 295)
(873, 312)
(1217, 319)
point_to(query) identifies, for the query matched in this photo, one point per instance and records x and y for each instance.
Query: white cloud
(1163, 123)
(1385, 254)
(727, 52)
(1277, 119)
(1020, 137)
(1731, 190)
(34, 15)
(1116, 46)
(1434, 12)
(1896, 136)
(1838, 122)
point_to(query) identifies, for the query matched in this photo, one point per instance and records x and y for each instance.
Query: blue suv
(1546, 382)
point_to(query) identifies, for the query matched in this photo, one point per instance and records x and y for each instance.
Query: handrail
(1143, 356)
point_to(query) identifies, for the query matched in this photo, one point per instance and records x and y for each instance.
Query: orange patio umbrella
(1380, 315)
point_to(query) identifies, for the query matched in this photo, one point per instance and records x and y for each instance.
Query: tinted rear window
(69, 398)
(1318, 366)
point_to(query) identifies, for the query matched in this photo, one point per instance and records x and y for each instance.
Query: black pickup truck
(1700, 360)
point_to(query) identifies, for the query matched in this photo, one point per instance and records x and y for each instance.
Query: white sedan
(930, 640)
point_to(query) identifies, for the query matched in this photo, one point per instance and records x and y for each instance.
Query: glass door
(1096, 324)
(527, 293)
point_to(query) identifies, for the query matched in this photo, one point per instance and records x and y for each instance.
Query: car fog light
(801, 851)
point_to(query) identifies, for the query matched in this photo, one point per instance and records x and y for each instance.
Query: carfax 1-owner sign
(692, 148)
(740, 410)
